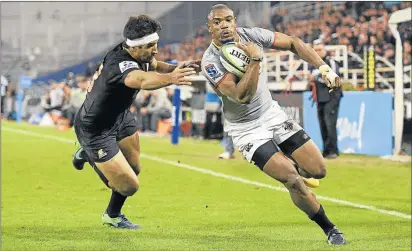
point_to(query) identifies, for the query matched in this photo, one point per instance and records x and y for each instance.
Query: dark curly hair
(140, 26)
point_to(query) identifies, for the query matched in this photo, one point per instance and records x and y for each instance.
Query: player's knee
(313, 169)
(130, 187)
(319, 171)
(129, 190)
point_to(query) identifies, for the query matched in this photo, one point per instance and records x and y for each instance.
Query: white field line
(221, 175)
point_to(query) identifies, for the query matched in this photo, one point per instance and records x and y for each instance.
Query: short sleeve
(263, 36)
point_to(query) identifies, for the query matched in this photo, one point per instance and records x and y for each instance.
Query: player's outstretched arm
(154, 80)
(297, 46)
(163, 67)
(307, 53)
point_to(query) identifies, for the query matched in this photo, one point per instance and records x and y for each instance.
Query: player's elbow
(295, 42)
(244, 99)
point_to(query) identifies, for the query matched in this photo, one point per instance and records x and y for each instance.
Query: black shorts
(101, 145)
(266, 151)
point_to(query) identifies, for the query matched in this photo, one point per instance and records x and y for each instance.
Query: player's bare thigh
(309, 158)
(296, 143)
(279, 168)
(130, 147)
(119, 174)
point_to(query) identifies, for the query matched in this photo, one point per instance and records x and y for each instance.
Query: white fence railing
(282, 66)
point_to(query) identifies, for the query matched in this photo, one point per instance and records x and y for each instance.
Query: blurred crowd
(189, 49)
(336, 25)
(367, 23)
(62, 100)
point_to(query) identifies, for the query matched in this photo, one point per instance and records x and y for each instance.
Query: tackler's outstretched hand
(332, 80)
(193, 64)
(180, 74)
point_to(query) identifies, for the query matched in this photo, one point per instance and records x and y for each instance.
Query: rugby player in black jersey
(105, 128)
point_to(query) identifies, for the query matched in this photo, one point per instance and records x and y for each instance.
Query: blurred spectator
(362, 42)
(277, 18)
(407, 53)
(159, 107)
(75, 100)
(197, 103)
(45, 102)
(213, 128)
(57, 95)
(389, 53)
(3, 90)
(229, 152)
(70, 80)
(141, 103)
(91, 68)
(9, 104)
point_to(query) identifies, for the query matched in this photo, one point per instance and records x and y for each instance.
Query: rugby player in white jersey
(260, 129)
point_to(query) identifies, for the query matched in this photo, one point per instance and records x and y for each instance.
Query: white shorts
(274, 124)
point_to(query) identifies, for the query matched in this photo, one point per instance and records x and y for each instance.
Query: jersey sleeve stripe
(221, 80)
(274, 40)
(208, 78)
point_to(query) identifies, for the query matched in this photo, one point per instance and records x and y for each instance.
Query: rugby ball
(234, 59)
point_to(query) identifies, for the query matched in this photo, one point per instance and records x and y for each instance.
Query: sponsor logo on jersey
(213, 72)
(125, 65)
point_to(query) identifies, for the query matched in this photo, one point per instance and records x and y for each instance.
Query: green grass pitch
(48, 205)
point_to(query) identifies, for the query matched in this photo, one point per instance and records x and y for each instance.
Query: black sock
(322, 220)
(115, 205)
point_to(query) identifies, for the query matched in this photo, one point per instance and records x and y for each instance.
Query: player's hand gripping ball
(234, 59)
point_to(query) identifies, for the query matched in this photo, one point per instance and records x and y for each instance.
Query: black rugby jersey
(107, 95)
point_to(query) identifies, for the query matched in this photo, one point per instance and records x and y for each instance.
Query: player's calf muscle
(279, 168)
(295, 184)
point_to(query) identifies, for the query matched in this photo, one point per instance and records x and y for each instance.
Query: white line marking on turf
(221, 175)
(23, 140)
(229, 177)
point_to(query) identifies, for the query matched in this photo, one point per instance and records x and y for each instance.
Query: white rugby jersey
(215, 72)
